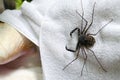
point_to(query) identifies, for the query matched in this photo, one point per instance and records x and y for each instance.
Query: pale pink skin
(17, 62)
(19, 54)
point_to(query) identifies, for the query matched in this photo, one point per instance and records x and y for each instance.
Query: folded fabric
(49, 23)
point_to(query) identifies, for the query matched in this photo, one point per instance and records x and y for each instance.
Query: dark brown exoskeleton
(85, 40)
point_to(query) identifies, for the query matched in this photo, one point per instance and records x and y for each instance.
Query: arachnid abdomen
(86, 41)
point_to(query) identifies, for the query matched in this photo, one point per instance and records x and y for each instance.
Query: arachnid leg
(91, 21)
(101, 28)
(85, 59)
(72, 60)
(74, 31)
(86, 22)
(97, 60)
(70, 49)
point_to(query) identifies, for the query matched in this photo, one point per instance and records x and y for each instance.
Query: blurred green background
(19, 2)
(13, 4)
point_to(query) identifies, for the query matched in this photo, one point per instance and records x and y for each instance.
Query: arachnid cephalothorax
(85, 40)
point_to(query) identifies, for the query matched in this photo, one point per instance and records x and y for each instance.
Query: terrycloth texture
(48, 24)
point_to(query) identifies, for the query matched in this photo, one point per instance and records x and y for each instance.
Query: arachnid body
(85, 40)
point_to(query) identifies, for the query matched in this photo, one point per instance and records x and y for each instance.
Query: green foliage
(19, 3)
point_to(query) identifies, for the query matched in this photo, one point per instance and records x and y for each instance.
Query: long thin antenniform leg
(72, 60)
(82, 16)
(70, 49)
(92, 19)
(101, 28)
(97, 60)
(74, 31)
(86, 22)
(85, 59)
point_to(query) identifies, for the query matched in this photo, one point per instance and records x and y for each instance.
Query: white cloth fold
(16, 19)
(48, 24)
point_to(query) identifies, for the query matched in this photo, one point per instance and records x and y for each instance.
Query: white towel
(48, 24)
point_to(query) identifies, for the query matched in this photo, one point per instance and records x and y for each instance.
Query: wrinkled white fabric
(48, 24)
